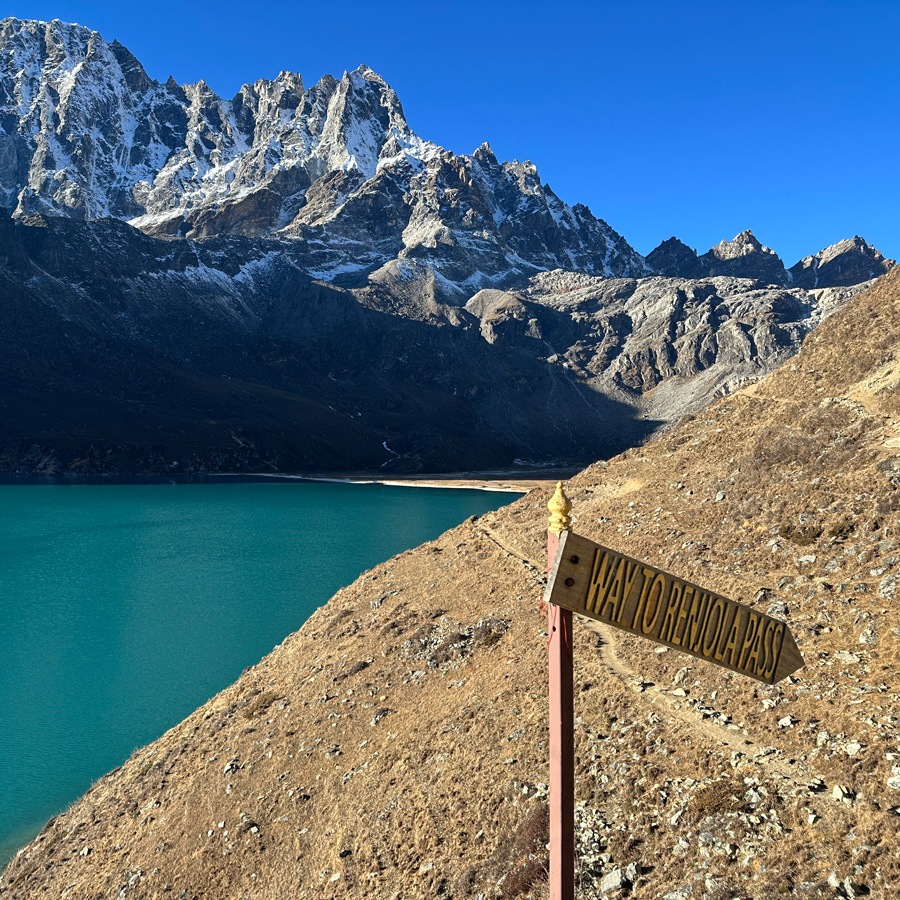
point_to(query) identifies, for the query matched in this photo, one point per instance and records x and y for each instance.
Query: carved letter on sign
(620, 591)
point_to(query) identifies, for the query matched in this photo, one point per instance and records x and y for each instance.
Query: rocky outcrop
(744, 257)
(674, 259)
(666, 346)
(847, 262)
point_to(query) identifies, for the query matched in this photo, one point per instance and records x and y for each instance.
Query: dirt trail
(702, 724)
(499, 540)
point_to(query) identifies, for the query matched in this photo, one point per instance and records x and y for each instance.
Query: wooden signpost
(625, 593)
(562, 720)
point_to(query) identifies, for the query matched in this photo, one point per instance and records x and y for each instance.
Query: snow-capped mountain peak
(85, 132)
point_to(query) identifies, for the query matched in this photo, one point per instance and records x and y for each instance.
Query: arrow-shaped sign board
(623, 592)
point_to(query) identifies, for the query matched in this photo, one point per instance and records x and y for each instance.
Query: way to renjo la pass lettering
(628, 594)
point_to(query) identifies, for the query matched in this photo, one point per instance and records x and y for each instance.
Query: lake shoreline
(499, 480)
(502, 480)
(109, 590)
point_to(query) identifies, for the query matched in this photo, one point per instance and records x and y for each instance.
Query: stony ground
(395, 746)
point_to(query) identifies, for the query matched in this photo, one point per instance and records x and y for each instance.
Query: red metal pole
(562, 743)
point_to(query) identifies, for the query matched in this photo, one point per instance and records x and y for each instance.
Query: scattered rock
(681, 893)
(613, 882)
(842, 792)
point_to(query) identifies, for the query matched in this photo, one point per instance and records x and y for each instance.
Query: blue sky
(696, 119)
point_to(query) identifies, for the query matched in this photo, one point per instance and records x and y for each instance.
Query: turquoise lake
(125, 606)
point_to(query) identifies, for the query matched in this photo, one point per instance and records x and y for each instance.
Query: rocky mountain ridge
(86, 133)
(294, 280)
(850, 261)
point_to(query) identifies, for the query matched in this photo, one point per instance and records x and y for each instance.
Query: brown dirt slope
(395, 746)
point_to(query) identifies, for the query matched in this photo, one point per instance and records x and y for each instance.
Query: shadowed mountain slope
(128, 353)
(124, 353)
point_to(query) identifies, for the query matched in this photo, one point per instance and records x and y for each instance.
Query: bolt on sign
(623, 592)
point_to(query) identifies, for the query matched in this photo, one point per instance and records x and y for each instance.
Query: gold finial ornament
(560, 506)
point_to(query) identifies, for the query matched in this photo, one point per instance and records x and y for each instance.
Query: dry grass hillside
(395, 746)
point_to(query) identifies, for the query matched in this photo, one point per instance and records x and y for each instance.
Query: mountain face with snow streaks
(88, 134)
(82, 123)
